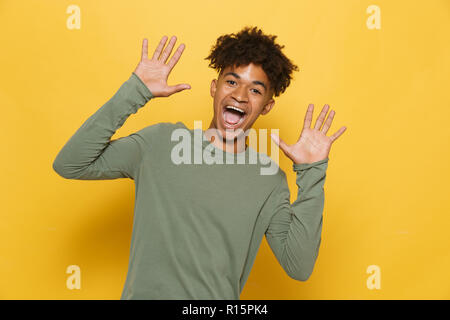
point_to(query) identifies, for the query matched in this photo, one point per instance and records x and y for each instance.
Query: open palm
(154, 72)
(313, 144)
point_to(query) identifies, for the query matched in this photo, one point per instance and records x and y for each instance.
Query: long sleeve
(294, 231)
(90, 154)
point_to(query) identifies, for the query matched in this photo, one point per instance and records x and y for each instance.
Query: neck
(233, 146)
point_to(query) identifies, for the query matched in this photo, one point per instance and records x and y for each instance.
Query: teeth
(234, 108)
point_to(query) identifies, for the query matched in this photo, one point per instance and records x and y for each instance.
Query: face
(240, 96)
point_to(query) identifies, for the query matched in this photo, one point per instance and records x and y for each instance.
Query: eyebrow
(237, 76)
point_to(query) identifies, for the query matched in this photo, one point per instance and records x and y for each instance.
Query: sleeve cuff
(142, 87)
(304, 166)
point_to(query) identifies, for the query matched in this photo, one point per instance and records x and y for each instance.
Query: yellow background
(387, 197)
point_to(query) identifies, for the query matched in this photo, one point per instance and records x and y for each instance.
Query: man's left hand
(313, 144)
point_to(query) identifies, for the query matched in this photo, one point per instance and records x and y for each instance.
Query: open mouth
(233, 116)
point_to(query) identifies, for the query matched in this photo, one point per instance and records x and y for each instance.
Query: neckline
(206, 142)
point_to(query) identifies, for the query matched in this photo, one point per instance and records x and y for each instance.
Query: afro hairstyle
(251, 45)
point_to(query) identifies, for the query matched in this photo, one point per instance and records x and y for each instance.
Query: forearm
(295, 231)
(304, 238)
(90, 140)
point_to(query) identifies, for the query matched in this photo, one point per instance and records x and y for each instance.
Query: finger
(168, 50)
(337, 134)
(328, 122)
(283, 146)
(308, 116)
(144, 50)
(159, 48)
(176, 56)
(321, 117)
(178, 88)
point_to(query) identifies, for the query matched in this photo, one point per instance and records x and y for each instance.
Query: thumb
(283, 146)
(178, 88)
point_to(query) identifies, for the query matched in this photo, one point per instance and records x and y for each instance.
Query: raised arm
(294, 232)
(90, 154)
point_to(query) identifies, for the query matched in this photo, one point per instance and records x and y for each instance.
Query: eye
(233, 82)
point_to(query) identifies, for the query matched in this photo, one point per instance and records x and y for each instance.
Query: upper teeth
(234, 108)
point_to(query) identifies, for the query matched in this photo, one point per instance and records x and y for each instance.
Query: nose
(240, 94)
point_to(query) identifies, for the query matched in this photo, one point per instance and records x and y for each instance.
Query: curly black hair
(251, 45)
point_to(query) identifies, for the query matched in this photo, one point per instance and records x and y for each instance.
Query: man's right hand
(154, 72)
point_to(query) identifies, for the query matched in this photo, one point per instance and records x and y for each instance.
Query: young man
(197, 227)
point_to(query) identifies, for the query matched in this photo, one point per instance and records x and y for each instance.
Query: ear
(268, 107)
(213, 87)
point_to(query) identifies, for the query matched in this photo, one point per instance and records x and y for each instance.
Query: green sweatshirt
(197, 227)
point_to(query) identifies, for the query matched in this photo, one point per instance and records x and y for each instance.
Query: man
(197, 227)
